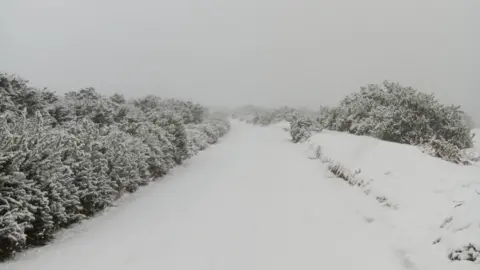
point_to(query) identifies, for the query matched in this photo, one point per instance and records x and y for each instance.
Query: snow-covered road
(254, 201)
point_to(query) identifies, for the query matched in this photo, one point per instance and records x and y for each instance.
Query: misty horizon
(270, 53)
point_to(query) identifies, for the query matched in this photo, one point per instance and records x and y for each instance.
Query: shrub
(37, 189)
(302, 127)
(265, 117)
(197, 140)
(444, 150)
(65, 158)
(400, 114)
(300, 130)
(469, 252)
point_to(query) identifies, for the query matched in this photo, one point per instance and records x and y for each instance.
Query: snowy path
(254, 201)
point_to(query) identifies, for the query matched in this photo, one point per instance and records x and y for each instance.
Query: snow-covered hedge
(302, 127)
(265, 116)
(209, 132)
(63, 159)
(395, 113)
(302, 122)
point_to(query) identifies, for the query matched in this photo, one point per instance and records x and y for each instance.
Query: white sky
(268, 52)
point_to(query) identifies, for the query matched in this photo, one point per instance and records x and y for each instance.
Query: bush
(197, 140)
(201, 135)
(302, 127)
(400, 114)
(264, 117)
(469, 252)
(300, 130)
(444, 150)
(37, 189)
(449, 152)
(65, 158)
(214, 130)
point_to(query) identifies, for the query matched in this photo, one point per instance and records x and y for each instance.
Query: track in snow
(254, 201)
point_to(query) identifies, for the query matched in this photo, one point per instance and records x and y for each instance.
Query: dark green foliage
(65, 158)
(468, 252)
(127, 161)
(176, 133)
(16, 97)
(447, 151)
(15, 214)
(118, 99)
(86, 157)
(264, 117)
(87, 103)
(400, 114)
(301, 129)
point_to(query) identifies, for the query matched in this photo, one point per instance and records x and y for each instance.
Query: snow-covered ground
(284, 125)
(254, 201)
(435, 201)
(476, 132)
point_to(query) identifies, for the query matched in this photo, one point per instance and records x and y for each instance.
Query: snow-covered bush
(36, 188)
(446, 151)
(161, 151)
(300, 131)
(89, 160)
(264, 119)
(189, 112)
(400, 114)
(15, 216)
(197, 140)
(209, 132)
(175, 130)
(65, 158)
(87, 103)
(214, 128)
(218, 122)
(127, 161)
(302, 127)
(16, 97)
(265, 116)
(468, 253)
(246, 113)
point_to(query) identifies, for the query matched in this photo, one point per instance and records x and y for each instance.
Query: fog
(266, 52)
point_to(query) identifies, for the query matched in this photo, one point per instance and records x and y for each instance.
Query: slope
(435, 202)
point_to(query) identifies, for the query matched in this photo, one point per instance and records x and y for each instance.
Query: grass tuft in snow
(351, 177)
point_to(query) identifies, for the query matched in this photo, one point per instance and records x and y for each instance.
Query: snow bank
(435, 200)
(284, 125)
(476, 139)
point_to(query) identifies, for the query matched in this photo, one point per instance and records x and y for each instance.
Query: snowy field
(255, 201)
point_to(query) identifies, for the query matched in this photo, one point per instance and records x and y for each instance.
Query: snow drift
(436, 202)
(476, 139)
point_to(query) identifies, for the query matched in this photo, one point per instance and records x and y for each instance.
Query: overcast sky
(297, 52)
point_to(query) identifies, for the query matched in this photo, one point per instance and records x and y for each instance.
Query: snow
(426, 191)
(476, 139)
(255, 201)
(284, 125)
